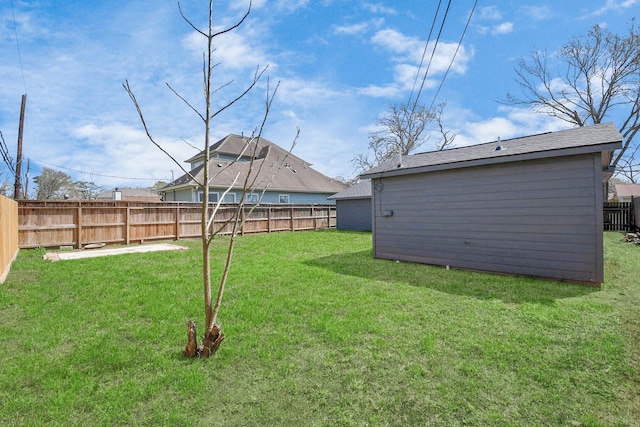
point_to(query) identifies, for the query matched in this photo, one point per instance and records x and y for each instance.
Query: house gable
(283, 173)
(624, 192)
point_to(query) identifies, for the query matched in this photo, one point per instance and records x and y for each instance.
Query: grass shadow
(485, 286)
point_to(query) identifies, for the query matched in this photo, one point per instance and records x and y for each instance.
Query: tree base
(210, 342)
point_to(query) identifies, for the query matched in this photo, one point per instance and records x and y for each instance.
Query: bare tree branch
(600, 82)
(129, 91)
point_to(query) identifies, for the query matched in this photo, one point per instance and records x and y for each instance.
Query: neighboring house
(624, 192)
(289, 178)
(130, 195)
(526, 206)
(353, 207)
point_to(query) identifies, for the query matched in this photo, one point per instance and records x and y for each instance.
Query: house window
(283, 198)
(230, 198)
(213, 197)
(252, 198)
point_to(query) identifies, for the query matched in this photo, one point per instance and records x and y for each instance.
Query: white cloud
(538, 13)
(234, 50)
(407, 52)
(359, 28)
(490, 13)
(379, 8)
(280, 6)
(389, 91)
(503, 28)
(615, 5)
(121, 151)
(352, 29)
(484, 22)
(511, 122)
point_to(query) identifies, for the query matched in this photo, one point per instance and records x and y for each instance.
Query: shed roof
(361, 190)
(581, 140)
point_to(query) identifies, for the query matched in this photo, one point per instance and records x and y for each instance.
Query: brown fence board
(8, 235)
(78, 223)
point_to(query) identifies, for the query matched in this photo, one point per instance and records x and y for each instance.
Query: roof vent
(499, 146)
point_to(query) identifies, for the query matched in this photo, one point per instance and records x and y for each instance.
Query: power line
(15, 30)
(99, 174)
(454, 54)
(433, 52)
(424, 51)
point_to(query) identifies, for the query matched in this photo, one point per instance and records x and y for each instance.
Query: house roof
(581, 140)
(627, 190)
(272, 166)
(131, 194)
(361, 190)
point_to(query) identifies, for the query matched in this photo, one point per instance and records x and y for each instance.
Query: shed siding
(354, 214)
(537, 218)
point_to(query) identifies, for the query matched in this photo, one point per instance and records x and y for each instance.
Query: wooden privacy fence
(619, 216)
(78, 223)
(8, 235)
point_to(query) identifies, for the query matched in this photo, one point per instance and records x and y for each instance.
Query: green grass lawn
(318, 333)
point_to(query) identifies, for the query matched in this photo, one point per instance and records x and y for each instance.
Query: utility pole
(18, 187)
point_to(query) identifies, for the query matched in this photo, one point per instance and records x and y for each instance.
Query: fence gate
(619, 216)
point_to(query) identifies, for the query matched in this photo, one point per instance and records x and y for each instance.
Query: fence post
(177, 233)
(293, 225)
(127, 219)
(241, 213)
(79, 228)
(313, 214)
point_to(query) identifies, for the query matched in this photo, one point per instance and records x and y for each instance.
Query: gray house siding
(191, 195)
(354, 214)
(537, 217)
(180, 195)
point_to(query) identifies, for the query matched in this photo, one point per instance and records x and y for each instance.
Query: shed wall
(537, 218)
(354, 214)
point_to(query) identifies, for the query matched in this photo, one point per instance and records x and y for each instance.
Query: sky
(337, 64)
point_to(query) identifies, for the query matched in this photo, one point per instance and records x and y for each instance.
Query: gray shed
(353, 207)
(528, 206)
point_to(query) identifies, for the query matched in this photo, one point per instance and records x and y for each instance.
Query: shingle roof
(600, 137)
(361, 190)
(294, 175)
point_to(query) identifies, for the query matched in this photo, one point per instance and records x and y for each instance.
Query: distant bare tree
(86, 190)
(213, 335)
(53, 184)
(402, 131)
(598, 80)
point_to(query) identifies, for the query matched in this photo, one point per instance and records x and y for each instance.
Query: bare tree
(213, 335)
(598, 79)
(401, 131)
(53, 184)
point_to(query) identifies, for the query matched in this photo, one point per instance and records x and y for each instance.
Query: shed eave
(571, 151)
